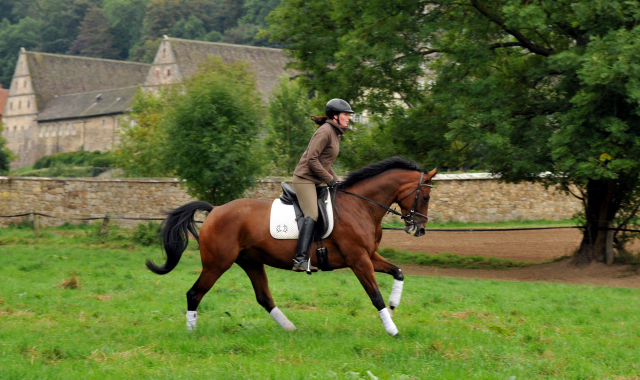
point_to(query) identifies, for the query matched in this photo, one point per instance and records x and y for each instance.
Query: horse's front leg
(380, 264)
(363, 269)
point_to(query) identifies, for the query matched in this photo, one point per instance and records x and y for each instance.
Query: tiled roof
(268, 64)
(55, 74)
(4, 94)
(87, 104)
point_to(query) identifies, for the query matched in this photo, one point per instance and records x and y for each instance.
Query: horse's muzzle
(416, 230)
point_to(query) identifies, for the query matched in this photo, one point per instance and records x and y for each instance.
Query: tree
(5, 154)
(140, 152)
(212, 124)
(27, 34)
(523, 88)
(95, 39)
(289, 128)
(125, 22)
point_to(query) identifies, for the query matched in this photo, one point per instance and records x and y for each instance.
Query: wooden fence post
(104, 231)
(36, 223)
(609, 244)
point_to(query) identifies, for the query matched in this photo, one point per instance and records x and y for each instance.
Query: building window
(164, 51)
(46, 130)
(25, 83)
(66, 129)
(30, 135)
(21, 133)
(73, 128)
(41, 134)
(53, 129)
(10, 105)
(28, 103)
(157, 73)
(15, 132)
(168, 72)
(357, 118)
(104, 123)
(19, 104)
(59, 129)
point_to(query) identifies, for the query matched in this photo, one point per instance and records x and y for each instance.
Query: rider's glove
(332, 184)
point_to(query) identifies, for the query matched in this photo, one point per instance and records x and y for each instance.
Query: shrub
(147, 234)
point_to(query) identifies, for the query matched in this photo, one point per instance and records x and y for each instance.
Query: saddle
(325, 220)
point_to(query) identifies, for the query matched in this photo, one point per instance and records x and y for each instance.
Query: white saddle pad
(283, 220)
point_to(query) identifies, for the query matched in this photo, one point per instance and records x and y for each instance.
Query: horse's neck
(383, 189)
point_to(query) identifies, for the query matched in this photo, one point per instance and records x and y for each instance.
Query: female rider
(314, 169)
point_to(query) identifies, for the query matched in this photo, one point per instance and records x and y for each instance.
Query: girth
(289, 197)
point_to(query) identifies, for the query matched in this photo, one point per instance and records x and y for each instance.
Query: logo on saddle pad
(282, 228)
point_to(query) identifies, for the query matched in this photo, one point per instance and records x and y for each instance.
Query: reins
(408, 216)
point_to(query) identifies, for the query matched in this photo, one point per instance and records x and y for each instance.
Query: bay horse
(238, 232)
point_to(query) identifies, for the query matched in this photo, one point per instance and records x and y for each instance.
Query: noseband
(409, 217)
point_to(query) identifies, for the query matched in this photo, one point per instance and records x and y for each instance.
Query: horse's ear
(432, 173)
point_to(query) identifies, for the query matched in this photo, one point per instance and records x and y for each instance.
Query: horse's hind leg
(203, 284)
(380, 264)
(258, 277)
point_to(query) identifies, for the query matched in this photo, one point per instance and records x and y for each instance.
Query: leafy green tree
(125, 22)
(523, 88)
(5, 153)
(62, 20)
(27, 34)
(95, 39)
(289, 128)
(212, 124)
(141, 148)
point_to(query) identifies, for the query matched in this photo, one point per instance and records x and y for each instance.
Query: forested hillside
(122, 29)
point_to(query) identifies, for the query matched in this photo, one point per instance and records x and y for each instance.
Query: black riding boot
(305, 238)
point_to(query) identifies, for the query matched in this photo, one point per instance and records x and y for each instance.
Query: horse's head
(414, 203)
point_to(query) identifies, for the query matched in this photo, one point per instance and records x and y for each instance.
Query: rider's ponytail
(319, 119)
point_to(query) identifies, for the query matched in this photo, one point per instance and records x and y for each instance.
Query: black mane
(374, 169)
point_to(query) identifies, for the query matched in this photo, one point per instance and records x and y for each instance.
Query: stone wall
(464, 198)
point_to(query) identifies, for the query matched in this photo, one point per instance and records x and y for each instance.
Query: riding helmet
(335, 106)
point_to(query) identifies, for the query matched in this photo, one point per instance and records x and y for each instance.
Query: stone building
(60, 103)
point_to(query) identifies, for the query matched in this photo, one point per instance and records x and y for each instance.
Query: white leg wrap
(283, 321)
(192, 320)
(396, 294)
(387, 322)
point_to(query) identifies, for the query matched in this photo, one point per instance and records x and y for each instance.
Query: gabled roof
(87, 104)
(55, 74)
(268, 64)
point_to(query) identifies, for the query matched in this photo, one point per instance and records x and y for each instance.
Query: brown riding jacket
(315, 163)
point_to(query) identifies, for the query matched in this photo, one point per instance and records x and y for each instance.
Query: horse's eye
(426, 199)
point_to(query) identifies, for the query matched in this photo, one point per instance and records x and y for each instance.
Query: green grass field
(126, 322)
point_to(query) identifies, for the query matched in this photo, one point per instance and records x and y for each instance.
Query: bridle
(408, 217)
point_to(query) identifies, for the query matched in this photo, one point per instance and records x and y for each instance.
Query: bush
(147, 234)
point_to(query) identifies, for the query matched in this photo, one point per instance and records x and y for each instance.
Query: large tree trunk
(600, 210)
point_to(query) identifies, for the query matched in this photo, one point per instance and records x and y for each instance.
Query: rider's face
(343, 118)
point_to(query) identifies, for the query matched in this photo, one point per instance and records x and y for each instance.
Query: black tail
(175, 234)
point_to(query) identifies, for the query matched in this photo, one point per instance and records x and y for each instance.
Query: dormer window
(168, 72)
(19, 104)
(164, 51)
(28, 103)
(157, 73)
(25, 83)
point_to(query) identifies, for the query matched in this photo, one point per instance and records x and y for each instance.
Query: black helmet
(335, 106)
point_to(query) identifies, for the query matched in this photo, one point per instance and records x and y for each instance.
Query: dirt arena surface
(535, 245)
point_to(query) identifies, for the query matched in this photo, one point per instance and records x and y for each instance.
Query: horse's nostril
(421, 231)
